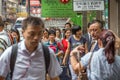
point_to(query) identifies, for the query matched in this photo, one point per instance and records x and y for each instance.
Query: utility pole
(99, 15)
(84, 13)
(28, 7)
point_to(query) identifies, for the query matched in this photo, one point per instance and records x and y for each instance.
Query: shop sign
(55, 8)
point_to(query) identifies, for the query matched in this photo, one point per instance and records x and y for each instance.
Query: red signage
(33, 3)
(64, 1)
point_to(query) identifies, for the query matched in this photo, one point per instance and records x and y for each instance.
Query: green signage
(55, 8)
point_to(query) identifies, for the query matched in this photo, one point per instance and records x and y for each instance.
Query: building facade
(8, 8)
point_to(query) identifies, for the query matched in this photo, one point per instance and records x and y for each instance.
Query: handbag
(82, 76)
(65, 74)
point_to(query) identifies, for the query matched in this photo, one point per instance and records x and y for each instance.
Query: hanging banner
(88, 5)
(57, 8)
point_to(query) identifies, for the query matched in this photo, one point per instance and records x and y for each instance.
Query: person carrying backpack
(30, 63)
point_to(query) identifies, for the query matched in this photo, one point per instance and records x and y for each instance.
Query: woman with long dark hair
(103, 64)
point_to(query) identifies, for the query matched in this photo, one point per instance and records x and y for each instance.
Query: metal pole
(84, 13)
(99, 15)
(28, 7)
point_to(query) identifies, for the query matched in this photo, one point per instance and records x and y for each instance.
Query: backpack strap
(46, 57)
(13, 58)
(14, 55)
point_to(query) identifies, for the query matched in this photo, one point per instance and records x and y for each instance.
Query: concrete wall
(114, 17)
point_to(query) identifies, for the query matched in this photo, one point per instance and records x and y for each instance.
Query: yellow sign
(22, 14)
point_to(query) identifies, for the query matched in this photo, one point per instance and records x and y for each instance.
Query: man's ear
(100, 44)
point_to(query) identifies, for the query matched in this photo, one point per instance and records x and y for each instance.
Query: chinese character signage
(57, 8)
(88, 5)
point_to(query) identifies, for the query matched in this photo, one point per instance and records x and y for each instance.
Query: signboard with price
(88, 5)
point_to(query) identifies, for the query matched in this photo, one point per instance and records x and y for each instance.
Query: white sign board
(88, 5)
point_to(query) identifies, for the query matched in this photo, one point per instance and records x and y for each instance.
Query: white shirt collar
(23, 47)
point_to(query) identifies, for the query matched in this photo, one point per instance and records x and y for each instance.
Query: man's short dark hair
(68, 24)
(96, 21)
(34, 21)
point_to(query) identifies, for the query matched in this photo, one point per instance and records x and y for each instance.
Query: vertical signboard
(35, 7)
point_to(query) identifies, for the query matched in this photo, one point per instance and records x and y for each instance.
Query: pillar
(114, 16)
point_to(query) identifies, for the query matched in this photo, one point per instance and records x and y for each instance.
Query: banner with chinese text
(57, 8)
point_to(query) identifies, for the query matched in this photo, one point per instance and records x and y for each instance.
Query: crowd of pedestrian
(70, 52)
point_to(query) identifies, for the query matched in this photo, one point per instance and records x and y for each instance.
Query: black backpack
(14, 55)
